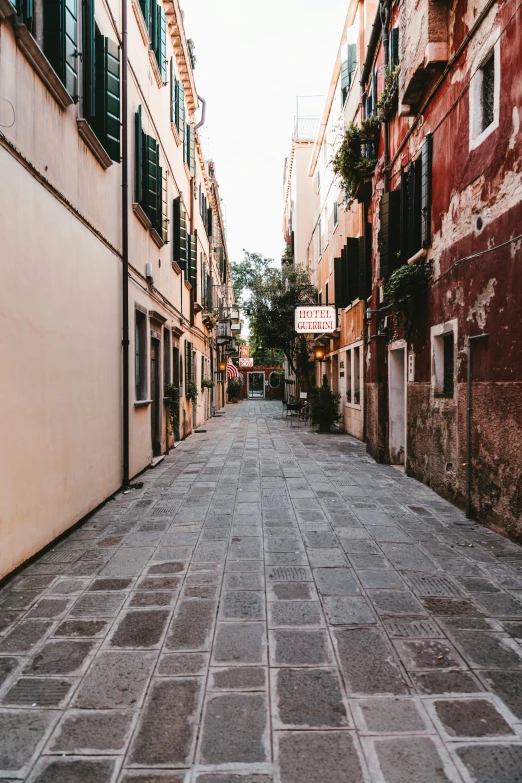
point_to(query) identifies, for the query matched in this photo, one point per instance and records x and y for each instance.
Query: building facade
(436, 209)
(64, 234)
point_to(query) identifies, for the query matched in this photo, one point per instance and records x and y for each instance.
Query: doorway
(397, 404)
(256, 385)
(155, 394)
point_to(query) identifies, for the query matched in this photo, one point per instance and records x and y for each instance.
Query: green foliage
(323, 405)
(276, 379)
(262, 355)
(233, 388)
(349, 165)
(404, 289)
(245, 273)
(192, 391)
(386, 104)
(192, 52)
(207, 383)
(172, 397)
(271, 309)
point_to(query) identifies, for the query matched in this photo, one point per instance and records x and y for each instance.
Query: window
(177, 101)
(156, 23)
(348, 69)
(166, 357)
(335, 213)
(443, 342)
(484, 97)
(192, 268)
(346, 274)
(353, 366)
(140, 349)
(179, 238)
(320, 298)
(150, 180)
(357, 375)
(188, 363)
(326, 294)
(189, 148)
(319, 239)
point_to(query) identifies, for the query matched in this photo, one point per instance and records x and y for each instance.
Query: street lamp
(222, 366)
(319, 354)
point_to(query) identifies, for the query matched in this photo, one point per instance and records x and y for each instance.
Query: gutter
(125, 245)
(203, 112)
(372, 46)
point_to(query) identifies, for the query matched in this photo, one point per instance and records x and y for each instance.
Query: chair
(292, 412)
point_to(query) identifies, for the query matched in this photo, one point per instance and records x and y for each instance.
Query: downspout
(370, 51)
(203, 112)
(385, 20)
(483, 336)
(125, 245)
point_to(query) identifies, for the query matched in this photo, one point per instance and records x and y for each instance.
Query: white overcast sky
(253, 59)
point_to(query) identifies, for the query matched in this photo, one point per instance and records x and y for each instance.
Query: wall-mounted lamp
(319, 354)
(222, 366)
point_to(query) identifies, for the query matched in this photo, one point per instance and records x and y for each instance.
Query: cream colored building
(62, 442)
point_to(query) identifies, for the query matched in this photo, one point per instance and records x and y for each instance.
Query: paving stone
(309, 698)
(24, 636)
(336, 581)
(410, 760)
(477, 585)
(507, 685)
(486, 650)
(440, 683)
(326, 558)
(388, 716)
(144, 599)
(76, 628)
(170, 567)
(22, 733)
(432, 585)
(318, 757)
(240, 643)
(320, 540)
(128, 561)
(180, 538)
(242, 605)
(412, 628)
(229, 777)
(180, 664)
(464, 623)
(407, 557)
(74, 771)
(288, 574)
(365, 562)
(292, 647)
(110, 584)
(471, 718)
(348, 610)
(246, 548)
(246, 678)
(115, 680)
(85, 731)
(250, 566)
(210, 552)
(450, 607)
(294, 613)
(207, 592)
(192, 625)
(395, 602)
(381, 579)
(7, 618)
(159, 583)
(286, 559)
(31, 582)
(498, 604)
(493, 763)
(428, 654)
(367, 663)
(66, 586)
(60, 657)
(202, 578)
(165, 735)
(291, 591)
(98, 605)
(7, 667)
(244, 581)
(39, 692)
(233, 729)
(153, 776)
(140, 628)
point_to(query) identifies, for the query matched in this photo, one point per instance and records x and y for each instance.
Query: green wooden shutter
(146, 7)
(210, 222)
(191, 160)
(352, 269)
(427, 147)
(352, 60)
(89, 60)
(180, 109)
(414, 207)
(106, 122)
(150, 178)
(390, 232)
(164, 207)
(193, 264)
(345, 81)
(404, 240)
(60, 41)
(188, 353)
(162, 44)
(374, 89)
(394, 47)
(159, 198)
(138, 146)
(179, 234)
(365, 267)
(338, 282)
(172, 91)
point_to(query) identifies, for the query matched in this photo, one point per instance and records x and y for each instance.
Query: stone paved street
(271, 607)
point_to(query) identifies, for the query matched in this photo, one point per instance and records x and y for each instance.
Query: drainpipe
(125, 244)
(483, 336)
(203, 112)
(372, 45)
(385, 21)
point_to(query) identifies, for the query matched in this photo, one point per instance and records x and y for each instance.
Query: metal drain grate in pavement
(412, 629)
(287, 574)
(431, 585)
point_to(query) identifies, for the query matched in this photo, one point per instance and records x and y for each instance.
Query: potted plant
(171, 396)
(324, 406)
(387, 103)
(370, 128)
(207, 383)
(234, 387)
(405, 290)
(192, 391)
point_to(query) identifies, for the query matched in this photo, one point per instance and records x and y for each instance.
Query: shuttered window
(150, 184)
(106, 120)
(179, 234)
(146, 9)
(193, 264)
(210, 222)
(348, 68)
(346, 274)
(390, 232)
(365, 263)
(138, 169)
(159, 39)
(60, 40)
(414, 207)
(189, 148)
(179, 117)
(164, 207)
(426, 157)
(89, 60)
(394, 47)
(188, 363)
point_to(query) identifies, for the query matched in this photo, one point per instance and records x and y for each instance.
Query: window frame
(141, 352)
(438, 333)
(354, 356)
(478, 134)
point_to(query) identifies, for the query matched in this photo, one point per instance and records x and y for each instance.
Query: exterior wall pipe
(468, 421)
(125, 244)
(203, 112)
(384, 7)
(370, 51)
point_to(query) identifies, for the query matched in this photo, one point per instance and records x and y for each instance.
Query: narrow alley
(271, 606)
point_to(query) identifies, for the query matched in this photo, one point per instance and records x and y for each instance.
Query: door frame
(248, 385)
(398, 345)
(157, 396)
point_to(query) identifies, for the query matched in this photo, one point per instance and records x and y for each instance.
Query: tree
(262, 354)
(274, 296)
(245, 273)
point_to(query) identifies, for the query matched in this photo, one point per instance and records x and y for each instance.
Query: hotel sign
(311, 319)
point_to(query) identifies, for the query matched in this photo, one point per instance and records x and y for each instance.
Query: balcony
(424, 48)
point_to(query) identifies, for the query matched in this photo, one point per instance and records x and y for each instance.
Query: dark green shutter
(345, 81)
(404, 240)
(374, 90)
(193, 264)
(191, 158)
(394, 47)
(352, 269)
(164, 208)
(106, 122)
(180, 109)
(427, 146)
(159, 199)
(150, 178)
(365, 263)
(172, 91)
(414, 207)
(209, 293)
(159, 40)
(352, 60)
(145, 6)
(209, 221)
(60, 41)
(390, 232)
(338, 282)
(89, 60)
(138, 146)
(179, 234)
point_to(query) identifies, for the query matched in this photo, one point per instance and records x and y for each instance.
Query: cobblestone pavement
(271, 607)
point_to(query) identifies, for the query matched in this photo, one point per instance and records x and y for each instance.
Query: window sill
(142, 403)
(94, 144)
(155, 68)
(336, 227)
(141, 22)
(173, 127)
(197, 307)
(34, 55)
(176, 268)
(354, 405)
(142, 217)
(6, 9)
(156, 237)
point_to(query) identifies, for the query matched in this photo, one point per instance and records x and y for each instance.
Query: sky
(253, 59)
